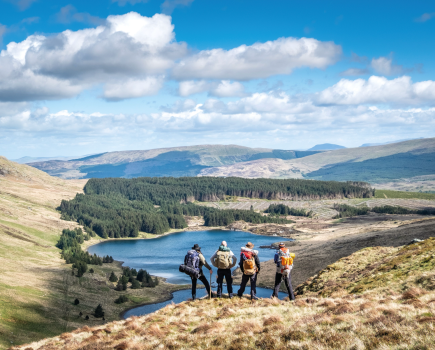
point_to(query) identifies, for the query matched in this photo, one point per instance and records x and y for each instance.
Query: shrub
(113, 277)
(98, 313)
(135, 284)
(76, 302)
(121, 299)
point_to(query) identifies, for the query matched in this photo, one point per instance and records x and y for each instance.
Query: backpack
(286, 259)
(192, 259)
(223, 260)
(249, 267)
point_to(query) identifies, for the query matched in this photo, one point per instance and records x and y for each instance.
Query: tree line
(115, 208)
(281, 209)
(345, 210)
(70, 243)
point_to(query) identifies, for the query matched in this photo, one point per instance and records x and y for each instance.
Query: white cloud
(68, 14)
(191, 87)
(169, 5)
(379, 90)
(354, 72)
(133, 88)
(131, 2)
(385, 66)
(22, 4)
(425, 17)
(228, 89)
(223, 88)
(126, 47)
(259, 60)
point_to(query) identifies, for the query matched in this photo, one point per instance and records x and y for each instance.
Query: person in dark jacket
(282, 274)
(246, 253)
(202, 278)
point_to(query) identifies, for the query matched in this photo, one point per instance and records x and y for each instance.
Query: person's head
(224, 243)
(196, 247)
(282, 245)
(249, 245)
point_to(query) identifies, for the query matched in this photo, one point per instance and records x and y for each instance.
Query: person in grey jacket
(224, 259)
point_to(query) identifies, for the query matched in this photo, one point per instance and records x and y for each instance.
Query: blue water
(183, 295)
(162, 256)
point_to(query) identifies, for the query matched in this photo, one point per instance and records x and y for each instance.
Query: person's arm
(213, 257)
(241, 263)
(204, 262)
(257, 262)
(275, 259)
(232, 256)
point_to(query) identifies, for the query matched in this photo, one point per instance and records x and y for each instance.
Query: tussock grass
(394, 310)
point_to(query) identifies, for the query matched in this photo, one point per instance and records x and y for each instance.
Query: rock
(415, 240)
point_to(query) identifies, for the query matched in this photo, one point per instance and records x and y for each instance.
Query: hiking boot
(193, 296)
(230, 295)
(254, 298)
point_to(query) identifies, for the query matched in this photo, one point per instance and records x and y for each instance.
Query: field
(322, 209)
(404, 195)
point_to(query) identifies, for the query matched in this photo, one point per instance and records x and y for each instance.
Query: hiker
(195, 259)
(224, 259)
(284, 264)
(250, 266)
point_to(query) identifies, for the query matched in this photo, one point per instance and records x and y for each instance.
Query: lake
(163, 255)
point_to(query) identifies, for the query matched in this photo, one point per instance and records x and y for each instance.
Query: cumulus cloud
(223, 88)
(259, 60)
(385, 66)
(133, 88)
(126, 47)
(3, 29)
(379, 90)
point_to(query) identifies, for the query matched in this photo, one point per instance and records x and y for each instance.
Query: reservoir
(163, 255)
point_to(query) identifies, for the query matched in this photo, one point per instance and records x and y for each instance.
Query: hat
(282, 245)
(196, 247)
(249, 245)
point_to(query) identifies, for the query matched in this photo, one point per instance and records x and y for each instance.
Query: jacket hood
(244, 249)
(222, 248)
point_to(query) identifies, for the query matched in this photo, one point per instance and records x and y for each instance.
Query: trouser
(203, 279)
(245, 279)
(221, 273)
(288, 283)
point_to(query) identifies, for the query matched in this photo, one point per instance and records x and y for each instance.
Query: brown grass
(272, 320)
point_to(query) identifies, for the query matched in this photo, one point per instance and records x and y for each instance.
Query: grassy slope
(377, 298)
(32, 304)
(403, 194)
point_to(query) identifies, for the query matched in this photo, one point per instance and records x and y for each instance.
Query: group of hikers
(224, 260)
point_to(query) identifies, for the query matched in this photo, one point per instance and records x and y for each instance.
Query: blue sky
(81, 77)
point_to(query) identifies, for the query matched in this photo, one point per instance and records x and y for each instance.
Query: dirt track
(315, 251)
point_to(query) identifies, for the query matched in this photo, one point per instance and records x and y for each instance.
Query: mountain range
(389, 162)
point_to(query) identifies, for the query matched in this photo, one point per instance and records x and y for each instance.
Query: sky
(85, 77)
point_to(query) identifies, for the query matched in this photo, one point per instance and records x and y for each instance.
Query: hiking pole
(210, 286)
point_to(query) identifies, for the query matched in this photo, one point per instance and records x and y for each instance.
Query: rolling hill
(177, 161)
(383, 163)
(325, 147)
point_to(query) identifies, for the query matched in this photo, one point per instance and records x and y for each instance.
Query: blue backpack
(192, 259)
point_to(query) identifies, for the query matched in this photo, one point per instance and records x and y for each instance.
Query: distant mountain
(375, 164)
(26, 160)
(325, 147)
(387, 143)
(177, 161)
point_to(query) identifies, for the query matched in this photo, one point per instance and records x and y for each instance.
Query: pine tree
(135, 284)
(113, 277)
(156, 281)
(98, 313)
